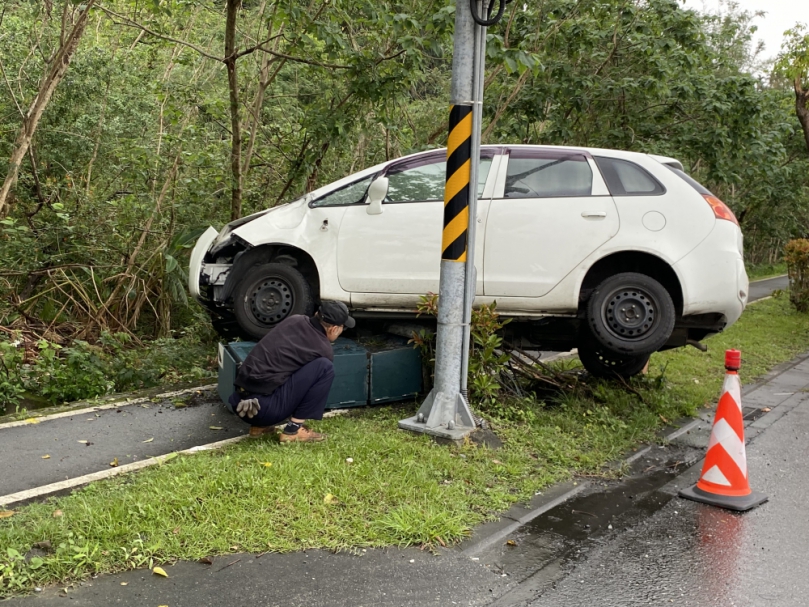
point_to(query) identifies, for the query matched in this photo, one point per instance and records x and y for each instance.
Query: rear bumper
(713, 277)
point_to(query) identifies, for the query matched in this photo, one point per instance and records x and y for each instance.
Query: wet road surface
(662, 549)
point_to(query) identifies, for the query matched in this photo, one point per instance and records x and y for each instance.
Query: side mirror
(376, 194)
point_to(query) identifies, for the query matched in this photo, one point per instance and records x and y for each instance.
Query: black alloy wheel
(268, 294)
(630, 314)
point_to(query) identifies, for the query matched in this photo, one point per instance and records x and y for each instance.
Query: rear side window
(690, 181)
(534, 174)
(626, 178)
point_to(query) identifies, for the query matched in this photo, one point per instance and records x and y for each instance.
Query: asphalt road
(763, 288)
(52, 451)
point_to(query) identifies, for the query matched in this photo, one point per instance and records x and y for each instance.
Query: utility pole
(445, 412)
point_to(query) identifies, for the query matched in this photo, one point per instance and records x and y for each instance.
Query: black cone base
(739, 504)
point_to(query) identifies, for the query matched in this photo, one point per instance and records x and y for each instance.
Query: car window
(545, 175)
(351, 194)
(426, 181)
(626, 178)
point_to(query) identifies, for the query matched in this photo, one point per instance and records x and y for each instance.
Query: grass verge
(766, 270)
(401, 489)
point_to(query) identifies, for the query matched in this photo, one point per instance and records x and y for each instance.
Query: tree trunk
(53, 76)
(802, 109)
(235, 122)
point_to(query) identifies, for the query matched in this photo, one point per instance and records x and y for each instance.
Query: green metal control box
(350, 387)
(395, 371)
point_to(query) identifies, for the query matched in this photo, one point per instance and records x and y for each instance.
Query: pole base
(455, 434)
(739, 504)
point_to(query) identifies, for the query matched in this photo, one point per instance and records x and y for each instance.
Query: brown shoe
(303, 435)
(256, 431)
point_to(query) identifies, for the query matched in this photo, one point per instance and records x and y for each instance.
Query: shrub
(796, 254)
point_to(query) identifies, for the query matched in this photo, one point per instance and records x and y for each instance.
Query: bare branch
(130, 23)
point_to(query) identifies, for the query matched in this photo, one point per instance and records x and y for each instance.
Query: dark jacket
(296, 340)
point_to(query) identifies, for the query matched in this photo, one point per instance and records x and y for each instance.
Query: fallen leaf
(329, 499)
(206, 560)
(7, 513)
(32, 420)
(496, 461)
(124, 583)
(148, 440)
(216, 427)
(46, 457)
(267, 464)
(160, 571)
(44, 545)
(511, 543)
(176, 530)
(114, 463)
(56, 513)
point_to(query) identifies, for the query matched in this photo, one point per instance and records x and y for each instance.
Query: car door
(398, 252)
(552, 212)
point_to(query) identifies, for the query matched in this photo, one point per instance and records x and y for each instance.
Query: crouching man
(288, 374)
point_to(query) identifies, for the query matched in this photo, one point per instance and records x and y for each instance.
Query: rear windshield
(690, 180)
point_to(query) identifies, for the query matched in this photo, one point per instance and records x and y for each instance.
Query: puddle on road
(545, 546)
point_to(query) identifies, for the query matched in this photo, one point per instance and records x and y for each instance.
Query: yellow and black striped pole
(456, 193)
(445, 412)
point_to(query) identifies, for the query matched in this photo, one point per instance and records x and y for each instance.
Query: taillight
(720, 209)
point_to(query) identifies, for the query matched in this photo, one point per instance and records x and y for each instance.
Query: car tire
(602, 363)
(630, 314)
(268, 294)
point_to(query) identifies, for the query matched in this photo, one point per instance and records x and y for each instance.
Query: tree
(793, 64)
(76, 17)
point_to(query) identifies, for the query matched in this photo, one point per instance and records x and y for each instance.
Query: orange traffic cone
(723, 481)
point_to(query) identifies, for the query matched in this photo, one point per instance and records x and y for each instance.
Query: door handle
(594, 214)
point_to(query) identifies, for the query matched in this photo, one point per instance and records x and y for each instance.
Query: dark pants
(302, 396)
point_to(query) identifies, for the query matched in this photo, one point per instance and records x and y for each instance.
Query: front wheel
(268, 294)
(608, 365)
(630, 314)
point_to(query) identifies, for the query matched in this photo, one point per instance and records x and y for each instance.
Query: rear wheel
(630, 314)
(608, 365)
(268, 294)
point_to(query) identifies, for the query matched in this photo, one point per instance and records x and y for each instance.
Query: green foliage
(487, 360)
(83, 371)
(796, 254)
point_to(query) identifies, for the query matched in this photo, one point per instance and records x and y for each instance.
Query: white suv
(617, 253)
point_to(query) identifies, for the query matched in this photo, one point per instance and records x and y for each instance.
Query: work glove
(248, 407)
